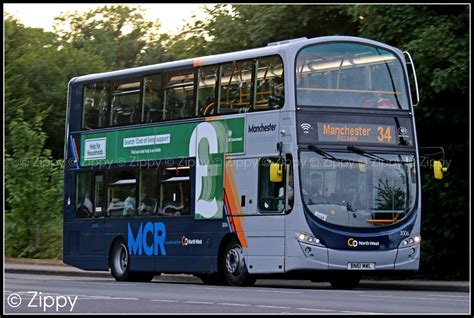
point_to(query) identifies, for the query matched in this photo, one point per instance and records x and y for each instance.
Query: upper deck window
(125, 105)
(350, 75)
(236, 87)
(270, 90)
(179, 90)
(95, 105)
(255, 84)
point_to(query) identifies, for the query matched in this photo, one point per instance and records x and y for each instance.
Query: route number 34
(385, 134)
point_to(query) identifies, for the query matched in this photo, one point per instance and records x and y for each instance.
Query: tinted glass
(84, 195)
(366, 195)
(207, 90)
(95, 105)
(236, 86)
(148, 191)
(270, 91)
(122, 193)
(271, 195)
(350, 75)
(175, 191)
(125, 105)
(153, 99)
(179, 90)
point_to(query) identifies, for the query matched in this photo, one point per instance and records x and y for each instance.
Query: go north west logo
(351, 242)
(187, 241)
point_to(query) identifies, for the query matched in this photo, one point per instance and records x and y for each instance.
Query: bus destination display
(345, 132)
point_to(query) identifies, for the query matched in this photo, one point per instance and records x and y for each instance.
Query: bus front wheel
(234, 267)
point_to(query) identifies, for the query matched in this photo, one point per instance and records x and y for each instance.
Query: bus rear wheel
(234, 267)
(120, 265)
(345, 280)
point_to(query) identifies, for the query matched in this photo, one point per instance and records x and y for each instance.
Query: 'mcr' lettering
(203, 132)
(138, 244)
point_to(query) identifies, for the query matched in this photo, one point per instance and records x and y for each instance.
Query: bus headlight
(412, 240)
(304, 237)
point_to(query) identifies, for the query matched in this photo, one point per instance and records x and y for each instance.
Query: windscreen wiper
(372, 156)
(329, 156)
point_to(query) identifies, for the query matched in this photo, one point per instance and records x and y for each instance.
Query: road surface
(26, 293)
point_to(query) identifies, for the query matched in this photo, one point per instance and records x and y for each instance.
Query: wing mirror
(438, 169)
(276, 172)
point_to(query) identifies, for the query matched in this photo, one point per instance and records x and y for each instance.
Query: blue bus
(298, 159)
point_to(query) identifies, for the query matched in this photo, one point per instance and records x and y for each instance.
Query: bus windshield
(350, 75)
(355, 191)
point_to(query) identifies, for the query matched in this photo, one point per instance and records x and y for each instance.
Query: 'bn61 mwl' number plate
(361, 266)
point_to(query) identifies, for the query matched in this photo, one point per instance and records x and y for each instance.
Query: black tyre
(234, 267)
(345, 280)
(119, 261)
(120, 265)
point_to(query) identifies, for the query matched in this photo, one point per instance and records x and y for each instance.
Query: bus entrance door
(261, 231)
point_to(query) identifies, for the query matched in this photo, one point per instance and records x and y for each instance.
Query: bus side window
(99, 195)
(271, 195)
(84, 193)
(95, 105)
(153, 99)
(179, 95)
(206, 92)
(121, 193)
(270, 92)
(236, 87)
(148, 196)
(175, 191)
(125, 106)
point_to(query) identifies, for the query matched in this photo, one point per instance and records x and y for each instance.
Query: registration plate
(361, 266)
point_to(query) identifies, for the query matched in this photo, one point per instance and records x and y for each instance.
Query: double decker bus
(298, 159)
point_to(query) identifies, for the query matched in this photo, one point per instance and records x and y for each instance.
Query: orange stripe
(229, 191)
(75, 148)
(234, 188)
(230, 186)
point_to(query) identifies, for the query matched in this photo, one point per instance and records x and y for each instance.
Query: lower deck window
(122, 193)
(84, 205)
(175, 191)
(161, 191)
(271, 196)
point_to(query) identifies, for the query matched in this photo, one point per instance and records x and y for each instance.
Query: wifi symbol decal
(306, 127)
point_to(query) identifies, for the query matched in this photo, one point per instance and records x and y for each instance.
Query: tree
(34, 184)
(38, 69)
(238, 27)
(117, 33)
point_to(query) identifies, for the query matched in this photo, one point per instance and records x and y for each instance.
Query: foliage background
(39, 64)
